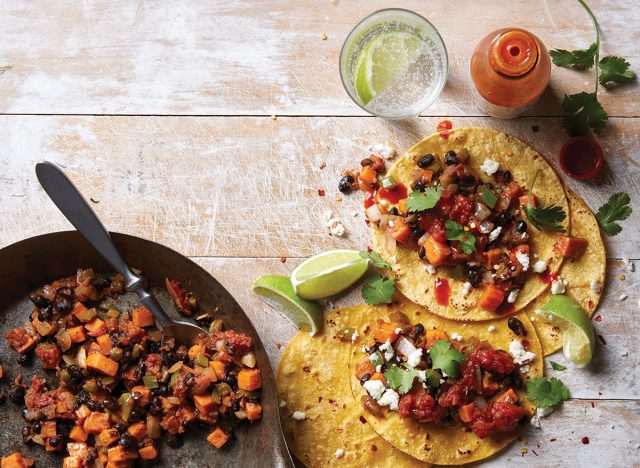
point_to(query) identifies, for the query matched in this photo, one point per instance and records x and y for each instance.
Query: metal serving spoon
(70, 202)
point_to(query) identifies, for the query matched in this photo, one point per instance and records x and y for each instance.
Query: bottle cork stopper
(513, 53)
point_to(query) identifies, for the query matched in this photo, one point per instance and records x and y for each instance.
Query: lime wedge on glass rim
(578, 338)
(277, 292)
(383, 61)
(328, 273)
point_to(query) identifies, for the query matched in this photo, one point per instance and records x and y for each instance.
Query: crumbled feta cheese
(355, 336)
(398, 331)
(540, 266)
(489, 166)
(524, 369)
(519, 354)
(491, 328)
(622, 297)
(429, 268)
(383, 150)
(299, 415)
(456, 336)
(595, 286)
(535, 421)
(379, 368)
(388, 355)
(373, 357)
(375, 388)
(544, 412)
(523, 259)
(495, 233)
(337, 228)
(513, 295)
(339, 453)
(414, 358)
(283, 403)
(390, 399)
(386, 346)
(422, 375)
(629, 264)
(559, 286)
(466, 288)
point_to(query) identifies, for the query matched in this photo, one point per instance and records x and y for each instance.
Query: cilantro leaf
(378, 289)
(445, 357)
(546, 393)
(376, 259)
(548, 217)
(455, 232)
(616, 209)
(400, 380)
(420, 201)
(556, 366)
(614, 70)
(581, 59)
(583, 112)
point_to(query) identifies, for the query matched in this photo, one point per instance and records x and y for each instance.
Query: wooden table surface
(161, 112)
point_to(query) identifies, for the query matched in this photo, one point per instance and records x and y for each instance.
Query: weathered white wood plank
(611, 375)
(245, 186)
(267, 57)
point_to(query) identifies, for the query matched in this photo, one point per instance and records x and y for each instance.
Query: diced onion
(373, 213)
(69, 360)
(249, 360)
(391, 243)
(405, 346)
(481, 211)
(241, 414)
(153, 427)
(423, 239)
(81, 358)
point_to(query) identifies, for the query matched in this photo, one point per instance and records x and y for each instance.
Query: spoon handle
(75, 208)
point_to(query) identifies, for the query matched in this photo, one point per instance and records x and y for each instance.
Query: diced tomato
(461, 388)
(492, 360)
(420, 407)
(466, 412)
(367, 178)
(513, 256)
(491, 298)
(437, 252)
(462, 209)
(499, 417)
(513, 190)
(434, 226)
(50, 355)
(569, 246)
(399, 230)
(386, 331)
(445, 203)
(370, 199)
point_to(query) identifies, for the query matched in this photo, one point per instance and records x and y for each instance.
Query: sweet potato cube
(96, 422)
(399, 231)
(148, 452)
(78, 311)
(77, 334)
(145, 393)
(491, 298)
(249, 379)
(108, 437)
(569, 246)
(466, 412)
(386, 331)
(96, 327)
(253, 411)
(48, 429)
(78, 434)
(204, 403)
(508, 395)
(364, 367)
(218, 437)
(102, 364)
(138, 429)
(489, 386)
(82, 413)
(437, 252)
(118, 454)
(367, 178)
(431, 336)
(142, 317)
(195, 350)
(493, 257)
(16, 460)
(219, 368)
(379, 376)
(105, 343)
(73, 462)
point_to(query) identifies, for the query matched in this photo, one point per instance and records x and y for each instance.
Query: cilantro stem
(597, 28)
(533, 181)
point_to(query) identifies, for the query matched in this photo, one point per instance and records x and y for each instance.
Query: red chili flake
(600, 393)
(306, 369)
(323, 165)
(321, 192)
(333, 402)
(278, 346)
(585, 440)
(283, 259)
(553, 439)
(535, 128)
(602, 340)
(374, 448)
(362, 420)
(598, 318)
(444, 128)
(319, 399)
(369, 249)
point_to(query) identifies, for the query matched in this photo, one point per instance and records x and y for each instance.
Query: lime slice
(578, 338)
(277, 292)
(328, 273)
(383, 61)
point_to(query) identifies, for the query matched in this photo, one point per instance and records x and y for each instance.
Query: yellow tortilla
(312, 377)
(442, 443)
(511, 153)
(591, 265)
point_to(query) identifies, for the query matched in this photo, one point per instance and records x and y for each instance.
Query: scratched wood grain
(266, 57)
(245, 186)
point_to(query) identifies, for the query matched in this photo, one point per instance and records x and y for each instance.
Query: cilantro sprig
(549, 217)
(583, 110)
(546, 393)
(445, 357)
(399, 379)
(616, 209)
(421, 201)
(454, 231)
(375, 259)
(378, 289)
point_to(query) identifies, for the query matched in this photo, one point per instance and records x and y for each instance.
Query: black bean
(37, 427)
(121, 428)
(110, 405)
(128, 441)
(503, 219)
(155, 409)
(366, 162)
(418, 186)
(62, 303)
(231, 350)
(450, 158)
(521, 226)
(516, 326)
(161, 390)
(474, 276)
(364, 378)
(524, 420)
(425, 161)
(26, 436)
(40, 301)
(231, 380)
(503, 176)
(94, 405)
(416, 233)
(422, 252)
(45, 313)
(345, 184)
(75, 371)
(418, 331)
(23, 359)
(55, 440)
(101, 282)
(397, 360)
(174, 440)
(83, 397)
(394, 211)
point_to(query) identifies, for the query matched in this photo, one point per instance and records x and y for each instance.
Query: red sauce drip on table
(442, 292)
(394, 195)
(370, 199)
(444, 128)
(547, 277)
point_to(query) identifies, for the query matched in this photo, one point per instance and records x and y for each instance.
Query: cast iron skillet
(30, 263)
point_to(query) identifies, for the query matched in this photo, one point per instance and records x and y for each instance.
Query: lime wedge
(383, 61)
(578, 338)
(328, 273)
(277, 292)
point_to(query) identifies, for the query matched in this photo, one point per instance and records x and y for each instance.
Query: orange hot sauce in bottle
(510, 70)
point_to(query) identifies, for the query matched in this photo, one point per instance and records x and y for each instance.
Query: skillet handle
(70, 202)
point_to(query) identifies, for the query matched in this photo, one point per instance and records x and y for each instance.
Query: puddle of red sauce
(442, 292)
(547, 277)
(370, 199)
(394, 195)
(444, 128)
(581, 157)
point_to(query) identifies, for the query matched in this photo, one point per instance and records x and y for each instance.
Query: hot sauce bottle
(510, 70)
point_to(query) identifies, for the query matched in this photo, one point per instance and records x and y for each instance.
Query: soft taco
(443, 391)
(582, 276)
(448, 217)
